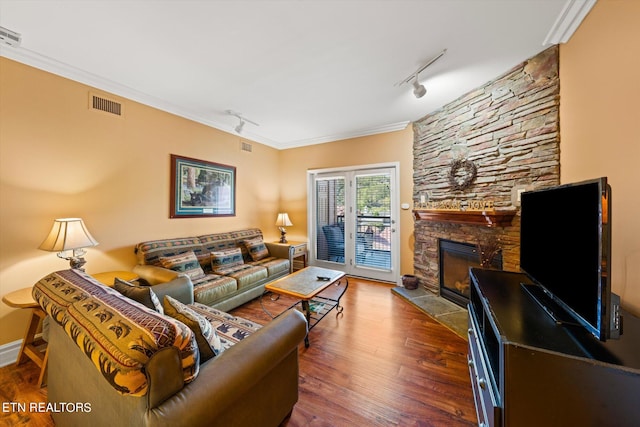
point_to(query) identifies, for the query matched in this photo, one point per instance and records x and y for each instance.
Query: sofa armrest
(279, 250)
(167, 282)
(153, 274)
(180, 288)
(256, 377)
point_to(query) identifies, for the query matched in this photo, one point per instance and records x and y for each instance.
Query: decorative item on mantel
(472, 212)
(488, 248)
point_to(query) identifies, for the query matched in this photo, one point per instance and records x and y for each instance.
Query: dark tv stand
(552, 308)
(528, 370)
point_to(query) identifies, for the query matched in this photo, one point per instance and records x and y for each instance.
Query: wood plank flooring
(381, 363)
(19, 384)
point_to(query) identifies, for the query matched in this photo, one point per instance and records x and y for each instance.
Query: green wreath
(462, 174)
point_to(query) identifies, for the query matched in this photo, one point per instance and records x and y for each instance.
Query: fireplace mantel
(497, 218)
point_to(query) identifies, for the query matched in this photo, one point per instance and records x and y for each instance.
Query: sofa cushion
(120, 336)
(150, 252)
(230, 329)
(185, 263)
(225, 259)
(245, 274)
(256, 248)
(142, 294)
(273, 265)
(212, 287)
(217, 242)
(230, 240)
(208, 342)
(57, 291)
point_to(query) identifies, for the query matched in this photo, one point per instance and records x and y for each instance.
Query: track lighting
(238, 128)
(418, 89)
(242, 119)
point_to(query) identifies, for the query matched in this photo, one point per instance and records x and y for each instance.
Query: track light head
(238, 128)
(418, 89)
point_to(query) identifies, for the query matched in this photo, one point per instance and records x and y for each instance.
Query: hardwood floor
(18, 384)
(381, 363)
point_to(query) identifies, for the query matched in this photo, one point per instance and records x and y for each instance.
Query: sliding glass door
(353, 222)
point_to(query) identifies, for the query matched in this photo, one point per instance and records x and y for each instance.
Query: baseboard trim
(9, 353)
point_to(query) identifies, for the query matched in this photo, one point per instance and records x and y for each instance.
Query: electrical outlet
(516, 193)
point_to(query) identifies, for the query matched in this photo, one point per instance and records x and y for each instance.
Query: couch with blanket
(227, 269)
(150, 356)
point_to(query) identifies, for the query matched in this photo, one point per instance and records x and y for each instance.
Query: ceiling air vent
(245, 146)
(106, 105)
(9, 37)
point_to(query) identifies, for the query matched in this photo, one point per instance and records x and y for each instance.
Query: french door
(353, 221)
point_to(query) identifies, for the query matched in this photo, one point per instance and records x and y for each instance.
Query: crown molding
(36, 60)
(347, 135)
(570, 18)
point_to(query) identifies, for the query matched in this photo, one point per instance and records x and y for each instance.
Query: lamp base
(77, 263)
(283, 238)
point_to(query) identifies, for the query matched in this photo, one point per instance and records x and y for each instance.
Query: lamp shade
(67, 234)
(283, 220)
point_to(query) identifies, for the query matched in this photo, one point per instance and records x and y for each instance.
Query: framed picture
(200, 188)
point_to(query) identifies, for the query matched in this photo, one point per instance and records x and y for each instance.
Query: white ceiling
(307, 71)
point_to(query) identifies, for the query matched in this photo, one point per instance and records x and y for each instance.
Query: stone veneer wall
(510, 127)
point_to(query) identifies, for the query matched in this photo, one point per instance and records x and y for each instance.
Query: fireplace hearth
(455, 260)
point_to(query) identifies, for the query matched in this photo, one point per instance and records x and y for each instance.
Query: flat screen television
(565, 249)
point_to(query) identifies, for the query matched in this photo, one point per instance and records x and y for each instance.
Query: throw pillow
(142, 294)
(185, 263)
(256, 248)
(226, 258)
(207, 338)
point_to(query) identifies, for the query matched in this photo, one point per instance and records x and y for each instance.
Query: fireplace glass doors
(455, 260)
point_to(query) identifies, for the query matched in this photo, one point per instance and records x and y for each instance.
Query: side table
(32, 348)
(296, 250)
(108, 277)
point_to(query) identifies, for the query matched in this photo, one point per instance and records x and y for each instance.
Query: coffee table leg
(307, 312)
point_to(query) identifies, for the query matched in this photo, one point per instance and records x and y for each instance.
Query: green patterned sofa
(226, 269)
(116, 361)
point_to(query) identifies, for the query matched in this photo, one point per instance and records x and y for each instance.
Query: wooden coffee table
(306, 285)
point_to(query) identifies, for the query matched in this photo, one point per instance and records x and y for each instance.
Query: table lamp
(69, 234)
(282, 222)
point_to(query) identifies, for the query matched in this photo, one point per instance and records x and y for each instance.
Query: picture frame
(200, 188)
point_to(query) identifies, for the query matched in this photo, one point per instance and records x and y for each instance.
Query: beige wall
(58, 159)
(599, 116)
(382, 148)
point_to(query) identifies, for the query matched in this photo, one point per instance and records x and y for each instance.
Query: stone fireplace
(507, 133)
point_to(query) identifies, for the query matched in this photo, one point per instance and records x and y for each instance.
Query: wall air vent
(245, 146)
(106, 105)
(9, 37)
